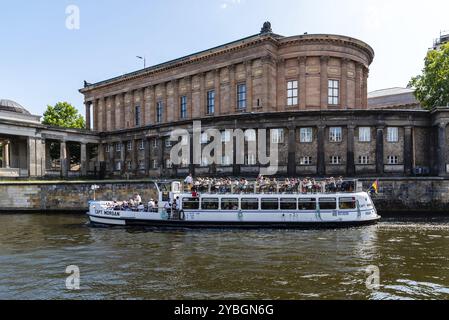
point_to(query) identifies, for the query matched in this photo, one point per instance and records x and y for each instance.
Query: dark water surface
(411, 254)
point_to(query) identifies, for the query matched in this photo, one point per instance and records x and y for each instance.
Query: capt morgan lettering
(191, 311)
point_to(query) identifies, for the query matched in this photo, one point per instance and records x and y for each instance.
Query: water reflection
(145, 264)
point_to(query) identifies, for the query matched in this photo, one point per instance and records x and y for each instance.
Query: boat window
(229, 204)
(288, 204)
(250, 204)
(209, 204)
(270, 204)
(348, 203)
(307, 204)
(190, 203)
(328, 203)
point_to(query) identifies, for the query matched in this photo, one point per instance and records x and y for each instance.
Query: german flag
(375, 187)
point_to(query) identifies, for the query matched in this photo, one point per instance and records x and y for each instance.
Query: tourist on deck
(137, 199)
(189, 181)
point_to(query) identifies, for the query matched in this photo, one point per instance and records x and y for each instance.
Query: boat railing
(254, 187)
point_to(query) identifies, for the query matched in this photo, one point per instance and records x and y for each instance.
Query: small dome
(12, 106)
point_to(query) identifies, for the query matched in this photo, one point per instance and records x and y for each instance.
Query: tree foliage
(432, 86)
(63, 115)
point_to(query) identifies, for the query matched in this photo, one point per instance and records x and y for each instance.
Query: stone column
(83, 159)
(64, 160)
(291, 168)
(203, 95)
(365, 88)
(95, 115)
(176, 114)
(232, 90)
(321, 161)
(350, 170)
(6, 154)
(217, 87)
(408, 150)
(147, 147)
(302, 82)
(122, 157)
(380, 150)
(142, 107)
(441, 149)
(281, 101)
(358, 86)
(324, 79)
(88, 120)
(113, 124)
(249, 85)
(344, 84)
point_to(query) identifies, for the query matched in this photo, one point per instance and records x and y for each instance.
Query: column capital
(442, 124)
(351, 126)
(324, 59)
(321, 126)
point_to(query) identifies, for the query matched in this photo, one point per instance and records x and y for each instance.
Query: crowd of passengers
(267, 185)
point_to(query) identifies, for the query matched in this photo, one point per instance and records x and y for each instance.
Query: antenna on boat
(94, 188)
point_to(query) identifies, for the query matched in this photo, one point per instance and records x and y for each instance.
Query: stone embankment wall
(427, 195)
(67, 196)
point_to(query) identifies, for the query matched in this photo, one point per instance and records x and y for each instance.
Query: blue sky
(42, 62)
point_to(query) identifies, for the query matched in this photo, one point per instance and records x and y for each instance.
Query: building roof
(12, 106)
(390, 92)
(396, 97)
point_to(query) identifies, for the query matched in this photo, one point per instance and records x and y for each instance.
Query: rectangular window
(129, 145)
(141, 145)
(270, 204)
(307, 204)
(118, 166)
(348, 203)
(141, 165)
(250, 160)
(364, 134)
(334, 92)
(229, 204)
(159, 107)
(277, 136)
(393, 134)
(190, 203)
(183, 114)
(118, 147)
(305, 161)
(393, 160)
(250, 204)
(288, 204)
(210, 102)
(137, 114)
(292, 93)
(129, 165)
(328, 203)
(335, 134)
(363, 159)
(335, 160)
(306, 135)
(241, 96)
(107, 148)
(210, 204)
(155, 165)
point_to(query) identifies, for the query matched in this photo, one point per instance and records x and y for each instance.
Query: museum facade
(308, 91)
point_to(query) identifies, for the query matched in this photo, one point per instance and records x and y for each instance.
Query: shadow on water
(142, 263)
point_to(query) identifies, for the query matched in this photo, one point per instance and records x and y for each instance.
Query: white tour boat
(242, 210)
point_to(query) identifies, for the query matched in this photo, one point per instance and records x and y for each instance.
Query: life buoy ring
(182, 215)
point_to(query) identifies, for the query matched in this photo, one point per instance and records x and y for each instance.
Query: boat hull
(177, 224)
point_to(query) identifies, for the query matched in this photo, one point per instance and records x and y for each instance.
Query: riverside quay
(309, 92)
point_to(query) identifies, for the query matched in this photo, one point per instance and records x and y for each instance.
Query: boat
(252, 209)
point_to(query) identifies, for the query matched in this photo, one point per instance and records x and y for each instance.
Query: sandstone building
(310, 90)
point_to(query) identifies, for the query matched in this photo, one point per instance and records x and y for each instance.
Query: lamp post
(144, 61)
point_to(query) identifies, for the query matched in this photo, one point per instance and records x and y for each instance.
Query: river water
(412, 257)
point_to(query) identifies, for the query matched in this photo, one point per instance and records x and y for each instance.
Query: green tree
(432, 86)
(63, 115)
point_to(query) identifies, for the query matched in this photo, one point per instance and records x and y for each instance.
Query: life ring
(182, 215)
